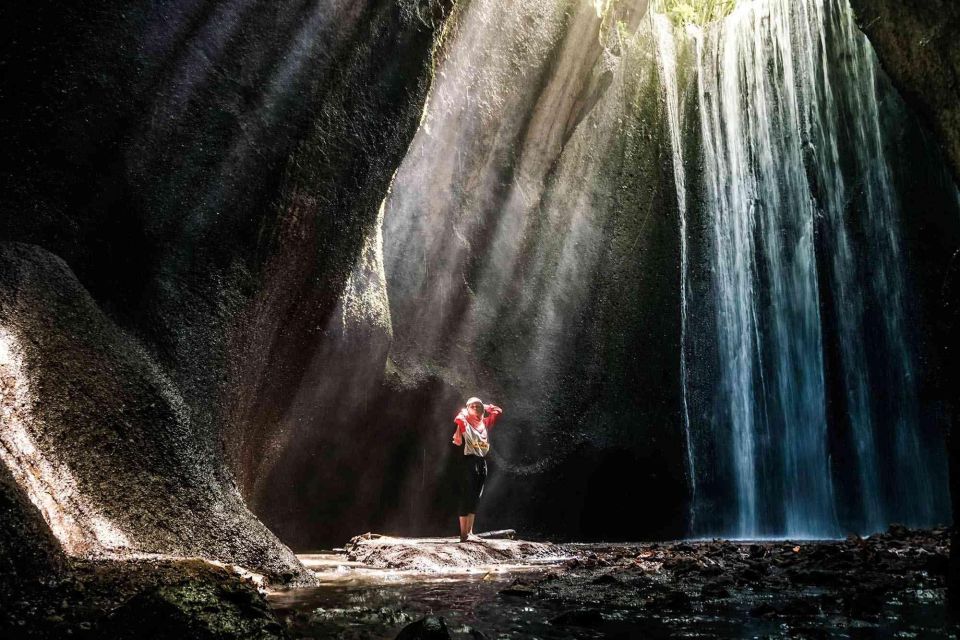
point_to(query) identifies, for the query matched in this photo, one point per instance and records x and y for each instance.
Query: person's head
(475, 406)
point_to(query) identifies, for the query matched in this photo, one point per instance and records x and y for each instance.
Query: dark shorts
(473, 473)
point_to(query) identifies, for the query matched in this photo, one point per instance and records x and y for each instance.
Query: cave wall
(916, 42)
(197, 182)
(539, 268)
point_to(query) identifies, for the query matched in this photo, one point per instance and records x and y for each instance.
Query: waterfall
(800, 227)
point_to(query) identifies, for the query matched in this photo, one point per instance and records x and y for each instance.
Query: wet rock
(196, 610)
(864, 605)
(579, 618)
(672, 599)
(715, 590)
(855, 592)
(681, 565)
(938, 564)
(800, 607)
(764, 610)
(820, 577)
(428, 628)
(431, 554)
(519, 591)
(751, 575)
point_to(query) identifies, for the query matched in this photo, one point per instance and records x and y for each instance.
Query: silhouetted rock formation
(195, 186)
(102, 440)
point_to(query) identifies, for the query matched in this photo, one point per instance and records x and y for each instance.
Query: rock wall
(539, 267)
(195, 185)
(100, 437)
(917, 44)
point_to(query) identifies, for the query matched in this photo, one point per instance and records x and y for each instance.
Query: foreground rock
(198, 609)
(429, 628)
(99, 437)
(440, 554)
(143, 599)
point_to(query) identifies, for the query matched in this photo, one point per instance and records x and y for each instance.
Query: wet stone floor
(885, 586)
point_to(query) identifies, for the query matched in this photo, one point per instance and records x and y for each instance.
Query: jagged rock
(607, 578)
(196, 610)
(28, 550)
(519, 591)
(917, 45)
(763, 610)
(715, 590)
(428, 628)
(579, 618)
(799, 607)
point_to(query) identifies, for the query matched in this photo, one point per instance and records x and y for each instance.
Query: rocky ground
(885, 586)
(159, 599)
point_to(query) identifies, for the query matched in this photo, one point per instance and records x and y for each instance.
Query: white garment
(475, 441)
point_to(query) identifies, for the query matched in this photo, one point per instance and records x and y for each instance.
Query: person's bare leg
(470, 519)
(465, 523)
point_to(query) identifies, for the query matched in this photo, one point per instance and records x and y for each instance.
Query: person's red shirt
(493, 412)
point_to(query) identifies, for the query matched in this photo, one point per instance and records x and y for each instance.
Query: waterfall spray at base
(809, 386)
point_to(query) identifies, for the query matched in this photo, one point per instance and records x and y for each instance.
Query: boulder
(428, 628)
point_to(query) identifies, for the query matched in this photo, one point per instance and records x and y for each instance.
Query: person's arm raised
(493, 414)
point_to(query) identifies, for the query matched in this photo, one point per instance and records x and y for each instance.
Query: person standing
(473, 424)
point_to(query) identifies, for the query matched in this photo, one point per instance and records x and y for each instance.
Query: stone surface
(200, 185)
(196, 609)
(444, 554)
(28, 549)
(883, 586)
(138, 599)
(916, 41)
(538, 195)
(429, 628)
(102, 441)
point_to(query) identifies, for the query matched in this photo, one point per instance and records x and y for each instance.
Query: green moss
(700, 12)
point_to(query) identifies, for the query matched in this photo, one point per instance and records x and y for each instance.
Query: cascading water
(799, 229)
